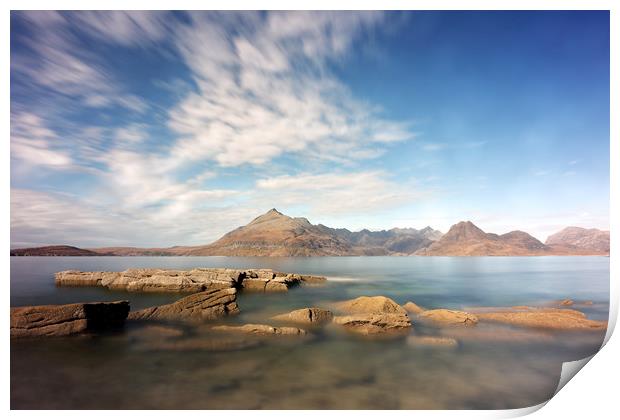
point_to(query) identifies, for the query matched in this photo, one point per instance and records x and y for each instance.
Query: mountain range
(277, 235)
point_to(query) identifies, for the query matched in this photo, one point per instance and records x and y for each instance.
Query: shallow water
(137, 367)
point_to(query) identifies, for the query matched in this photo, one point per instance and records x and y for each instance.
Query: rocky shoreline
(212, 295)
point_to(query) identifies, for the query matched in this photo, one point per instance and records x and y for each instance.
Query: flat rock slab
(210, 304)
(259, 329)
(370, 304)
(192, 281)
(60, 320)
(154, 280)
(377, 323)
(306, 316)
(449, 317)
(560, 319)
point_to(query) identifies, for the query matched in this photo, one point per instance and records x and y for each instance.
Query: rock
(261, 273)
(192, 281)
(80, 278)
(588, 302)
(497, 333)
(156, 332)
(59, 320)
(277, 285)
(211, 343)
(377, 323)
(517, 309)
(413, 308)
(268, 281)
(449, 317)
(312, 280)
(205, 305)
(372, 315)
(429, 341)
(259, 329)
(154, 280)
(306, 316)
(255, 285)
(566, 302)
(372, 304)
(551, 318)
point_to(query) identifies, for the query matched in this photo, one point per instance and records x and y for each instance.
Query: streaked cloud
(33, 143)
(265, 90)
(57, 60)
(336, 194)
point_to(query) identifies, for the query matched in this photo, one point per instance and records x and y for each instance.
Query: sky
(173, 128)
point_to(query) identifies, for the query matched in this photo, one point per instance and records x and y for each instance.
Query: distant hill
(580, 239)
(466, 239)
(55, 251)
(275, 234)
(127, 251)
(278, 235)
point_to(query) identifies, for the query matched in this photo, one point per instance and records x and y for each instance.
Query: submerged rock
(413, 308)
(59, 320)
(551, 318)
(370, 304)
(374, 323)
(260, 329)
(306, 316)
(449, 317)
(567, 302)
(210, 304)
(200, 344)
(156, 332)
(430, 341)
(497, 333)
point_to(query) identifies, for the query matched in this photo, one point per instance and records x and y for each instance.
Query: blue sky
(160, 128)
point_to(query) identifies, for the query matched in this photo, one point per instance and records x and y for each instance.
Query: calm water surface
(138, 367)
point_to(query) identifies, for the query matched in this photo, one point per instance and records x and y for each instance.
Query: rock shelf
(191, 281)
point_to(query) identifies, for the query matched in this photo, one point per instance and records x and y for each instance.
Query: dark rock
(59, 320)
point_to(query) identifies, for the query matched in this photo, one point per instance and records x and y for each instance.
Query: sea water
(330, 368)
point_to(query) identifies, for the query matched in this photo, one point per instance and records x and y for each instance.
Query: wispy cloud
(332, 194)
(134, 133)
(58, 61)
(41, 218)
(33, 143)
(265, 90)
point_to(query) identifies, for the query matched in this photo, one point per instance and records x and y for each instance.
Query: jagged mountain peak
(464, 230)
